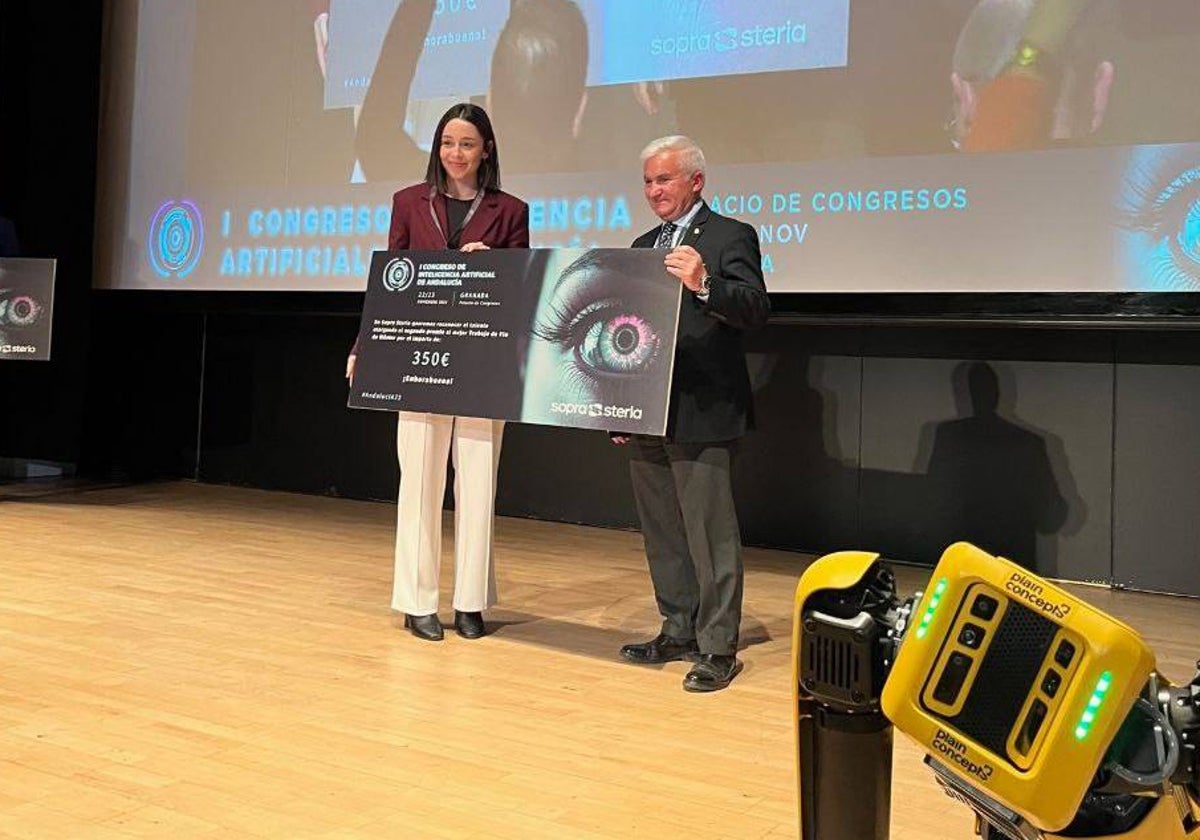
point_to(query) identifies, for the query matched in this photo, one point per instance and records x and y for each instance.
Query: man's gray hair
(990, 38)
(693, 157)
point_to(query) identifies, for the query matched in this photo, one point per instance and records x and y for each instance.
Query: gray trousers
(684, 500)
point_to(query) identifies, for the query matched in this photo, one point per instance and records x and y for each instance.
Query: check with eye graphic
(26, 303)
(583, 338)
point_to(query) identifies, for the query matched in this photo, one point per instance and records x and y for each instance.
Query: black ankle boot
(424, 626)
(469, 625)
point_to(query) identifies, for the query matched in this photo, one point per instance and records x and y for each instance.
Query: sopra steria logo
(176, 239)
(619, 412)
(399, 274)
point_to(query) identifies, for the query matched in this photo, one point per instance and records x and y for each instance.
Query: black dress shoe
(424, 626)
(662, 648)
(469, 625)
(712, 672)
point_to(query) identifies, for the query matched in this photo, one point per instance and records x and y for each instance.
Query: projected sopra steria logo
(399, 274)
(787, 34)
(176, 239)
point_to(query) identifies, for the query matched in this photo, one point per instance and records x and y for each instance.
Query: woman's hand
(351, 361)
(474, 246)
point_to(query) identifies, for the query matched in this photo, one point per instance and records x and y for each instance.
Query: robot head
(1013, 686)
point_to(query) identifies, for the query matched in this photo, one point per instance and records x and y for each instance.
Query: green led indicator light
(1094, 703)
(934, 600)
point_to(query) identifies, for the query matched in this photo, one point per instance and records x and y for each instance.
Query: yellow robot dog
(1042, 714)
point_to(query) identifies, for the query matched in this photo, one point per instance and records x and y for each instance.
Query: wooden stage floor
(183, 660)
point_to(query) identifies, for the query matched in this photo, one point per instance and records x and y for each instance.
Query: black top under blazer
(710, 391)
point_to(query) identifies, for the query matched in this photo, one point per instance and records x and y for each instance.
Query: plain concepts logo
(176, 239)
(399, 274)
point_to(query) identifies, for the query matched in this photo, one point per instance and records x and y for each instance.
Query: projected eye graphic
(1160, 219)
(176, 239)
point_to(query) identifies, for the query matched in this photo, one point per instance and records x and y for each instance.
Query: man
(1036, 73)
(681, 482)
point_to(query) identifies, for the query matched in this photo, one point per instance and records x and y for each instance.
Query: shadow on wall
(796, 477)
(985, 477)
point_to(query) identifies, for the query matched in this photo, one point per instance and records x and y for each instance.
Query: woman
(460, 206)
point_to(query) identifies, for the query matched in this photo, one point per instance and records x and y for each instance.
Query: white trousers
(422, 444)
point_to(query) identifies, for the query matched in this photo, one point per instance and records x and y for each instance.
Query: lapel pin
(696, 231)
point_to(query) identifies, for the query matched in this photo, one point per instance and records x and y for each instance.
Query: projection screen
(875, 145)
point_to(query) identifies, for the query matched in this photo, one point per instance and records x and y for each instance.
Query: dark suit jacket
(710, 391)
(502, 221)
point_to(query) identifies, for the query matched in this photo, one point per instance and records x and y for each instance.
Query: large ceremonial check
(564, 337)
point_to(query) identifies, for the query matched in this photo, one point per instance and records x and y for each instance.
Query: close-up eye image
(626, 344)
(18, 310)
(1159, 220)
(602, 335)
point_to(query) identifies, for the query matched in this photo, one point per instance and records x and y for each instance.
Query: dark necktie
(666, 236)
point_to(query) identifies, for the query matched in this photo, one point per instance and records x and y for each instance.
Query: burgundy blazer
(502, 221)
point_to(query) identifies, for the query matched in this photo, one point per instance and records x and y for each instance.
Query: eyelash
(567, 323)
(1160, 200)
(1154, 190)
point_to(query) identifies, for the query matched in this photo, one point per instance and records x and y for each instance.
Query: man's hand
(685, 263)
(474, 246)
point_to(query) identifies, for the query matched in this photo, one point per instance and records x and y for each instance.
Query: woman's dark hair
(539, 66)
(489, 167)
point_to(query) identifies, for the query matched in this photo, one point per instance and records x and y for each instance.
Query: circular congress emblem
(176, 239)
(398, 274)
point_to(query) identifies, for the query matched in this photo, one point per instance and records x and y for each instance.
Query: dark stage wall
(1063, 449)
(1074, 451)
(48, 106)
